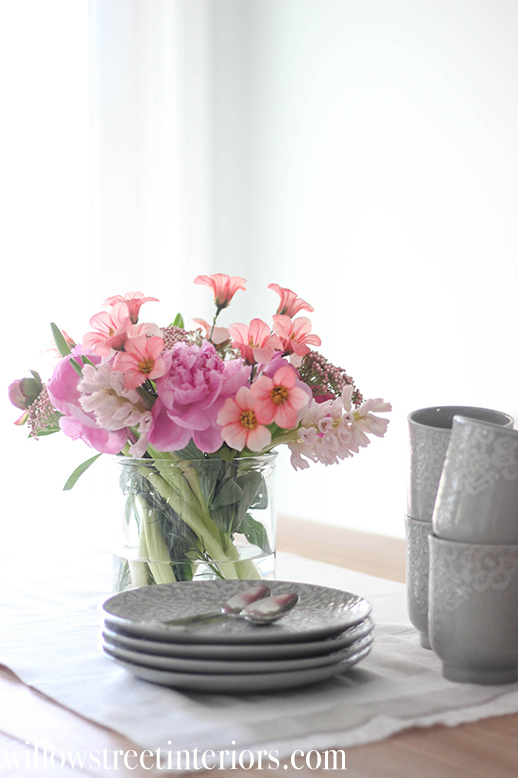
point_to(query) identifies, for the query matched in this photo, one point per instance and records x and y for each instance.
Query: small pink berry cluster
(326, 380)
(173, 335)
(42, 417)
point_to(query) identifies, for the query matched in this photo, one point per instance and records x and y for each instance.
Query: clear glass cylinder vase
(195, 519)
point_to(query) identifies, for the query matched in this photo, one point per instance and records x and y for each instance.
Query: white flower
(333, 430)
(114, 406)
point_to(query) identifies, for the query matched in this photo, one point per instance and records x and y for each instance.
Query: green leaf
(178, 321)
(228, 454)
(228, 493)
(50, 431)
(78, 472)
(255, 533)
(77, 367)
(191, 451)
(61, 344)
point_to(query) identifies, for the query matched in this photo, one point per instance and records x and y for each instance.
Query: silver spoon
(232, 607)
(263, 611)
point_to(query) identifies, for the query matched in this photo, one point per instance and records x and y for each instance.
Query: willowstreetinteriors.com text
(40, 758)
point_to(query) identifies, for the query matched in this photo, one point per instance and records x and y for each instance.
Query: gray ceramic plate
(182, 665)
(240, 684)
(238, 651)
(320, 612)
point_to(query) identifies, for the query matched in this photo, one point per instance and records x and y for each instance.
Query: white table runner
(49, 638)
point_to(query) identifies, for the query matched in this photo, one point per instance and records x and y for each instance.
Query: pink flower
(190, 395)
(223, 286)
(23, 392)
(133, 301)
(289, 303)
(295, 335)
(281, 397)
(76, 423)
(219, 334)
(255, 342)
(243, 423)
(110, 331)
(140, 360)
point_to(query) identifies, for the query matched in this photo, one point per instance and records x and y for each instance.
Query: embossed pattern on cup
(477, 499)
(417, 567)
(430, 431)
(473, 610)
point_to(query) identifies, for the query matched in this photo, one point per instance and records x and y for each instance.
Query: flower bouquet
(192, 417)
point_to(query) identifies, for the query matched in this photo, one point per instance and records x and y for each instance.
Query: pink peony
(65, 396)
(190, 395)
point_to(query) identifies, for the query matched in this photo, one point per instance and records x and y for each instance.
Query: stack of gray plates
(328, 632)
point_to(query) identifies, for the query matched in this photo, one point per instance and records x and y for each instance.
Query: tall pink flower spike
(289, 304)
(223, 286)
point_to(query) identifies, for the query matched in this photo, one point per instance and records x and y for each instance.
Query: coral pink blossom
(133, 301)
(255, 342)
(295, 334)
(289, 303)
(140, 360)
(280, 398)
(110, 331)
(223, 286)
(243, 423)
(216, 334)
(144, 329)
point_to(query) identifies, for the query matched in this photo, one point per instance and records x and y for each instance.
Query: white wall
(363, 154)
(380, 181)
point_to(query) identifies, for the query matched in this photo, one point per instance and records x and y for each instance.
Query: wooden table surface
(484, 749)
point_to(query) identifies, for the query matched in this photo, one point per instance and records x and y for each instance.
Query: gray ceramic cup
(417, 567)
(430, 430)
(473, 610)
(477, 499)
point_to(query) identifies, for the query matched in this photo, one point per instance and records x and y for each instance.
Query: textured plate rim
(262, 634)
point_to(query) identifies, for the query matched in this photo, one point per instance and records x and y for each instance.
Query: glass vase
(197, 519)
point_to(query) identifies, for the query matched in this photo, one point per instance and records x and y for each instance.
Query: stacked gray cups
(430, 432)
(473, 597)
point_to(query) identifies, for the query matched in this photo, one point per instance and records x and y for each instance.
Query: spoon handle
(200, 618)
